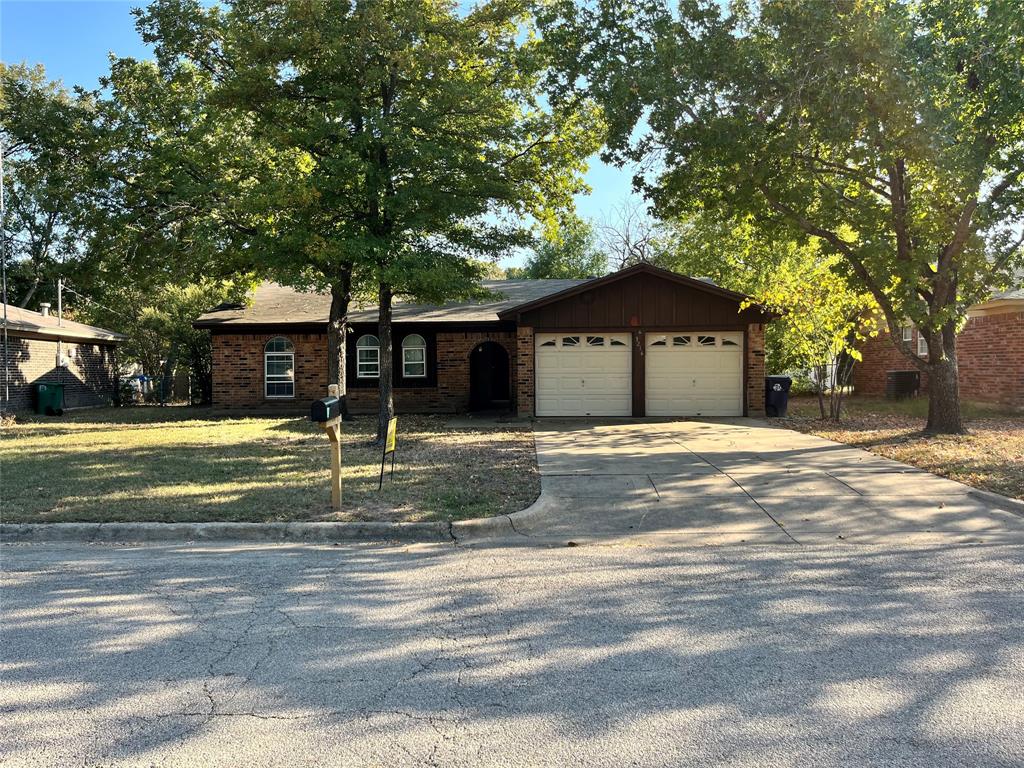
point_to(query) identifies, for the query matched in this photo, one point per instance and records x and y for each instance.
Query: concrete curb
(254, 532)
(1005, 503)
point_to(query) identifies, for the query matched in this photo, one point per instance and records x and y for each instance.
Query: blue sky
(73, 38)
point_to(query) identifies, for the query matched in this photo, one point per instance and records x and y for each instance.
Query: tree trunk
(337, 327)
(819, 386)
(944, 416)
(386, 407)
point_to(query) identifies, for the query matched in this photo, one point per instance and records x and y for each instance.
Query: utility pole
(6, 404)
(60, 321)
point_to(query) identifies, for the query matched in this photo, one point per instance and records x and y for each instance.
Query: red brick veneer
(755, 370)
(238, 373)
(990, 355)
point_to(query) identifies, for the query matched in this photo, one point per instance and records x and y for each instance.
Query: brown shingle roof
(25, 321)
(273, 304)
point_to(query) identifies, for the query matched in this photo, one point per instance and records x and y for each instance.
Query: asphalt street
(603, 655)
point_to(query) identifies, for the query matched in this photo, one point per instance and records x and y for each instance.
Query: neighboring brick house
(44, 349)
(990, 354)
(641, 341)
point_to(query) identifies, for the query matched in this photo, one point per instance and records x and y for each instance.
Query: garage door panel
(580, 374)
(695, 374)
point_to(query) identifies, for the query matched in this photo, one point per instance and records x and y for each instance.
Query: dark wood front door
(489, 377)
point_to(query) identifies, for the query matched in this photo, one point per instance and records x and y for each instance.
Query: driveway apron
(742, 480)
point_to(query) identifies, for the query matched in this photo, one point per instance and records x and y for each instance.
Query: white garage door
(690, 374)
(584, 374)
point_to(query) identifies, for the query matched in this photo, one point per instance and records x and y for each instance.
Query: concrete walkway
(743, 480)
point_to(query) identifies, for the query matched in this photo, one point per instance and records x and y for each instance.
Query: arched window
(279, 368)
(414, 357)
(368, 357)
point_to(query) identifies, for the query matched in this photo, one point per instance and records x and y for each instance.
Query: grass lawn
(990, 457)
(183, 464)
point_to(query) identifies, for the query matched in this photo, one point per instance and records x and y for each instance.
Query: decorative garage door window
(279, 368)
(368, 357)
(704, 341)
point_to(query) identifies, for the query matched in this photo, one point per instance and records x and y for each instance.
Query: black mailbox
(324, 410)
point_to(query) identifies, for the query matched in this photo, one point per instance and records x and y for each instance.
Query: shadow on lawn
(182, 465)
(748, 653)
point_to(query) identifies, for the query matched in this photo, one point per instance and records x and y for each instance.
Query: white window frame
(922, 345)
(408, 346)
(375, 348)
(907, 333)
(277, 378)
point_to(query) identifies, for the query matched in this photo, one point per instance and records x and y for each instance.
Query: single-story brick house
(641, 341)
(990, 353)
(44, 349)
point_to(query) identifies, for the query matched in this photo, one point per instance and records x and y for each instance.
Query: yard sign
(389, 447)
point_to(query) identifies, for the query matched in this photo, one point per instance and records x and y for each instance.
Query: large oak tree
(402, 141)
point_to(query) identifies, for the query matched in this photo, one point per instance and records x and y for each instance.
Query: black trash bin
(776, 395)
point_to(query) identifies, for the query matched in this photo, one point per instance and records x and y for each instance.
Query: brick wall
(524, 371)
(89, 379)
(238, 373)
(990, 355)
(755, 370)
(238, 370)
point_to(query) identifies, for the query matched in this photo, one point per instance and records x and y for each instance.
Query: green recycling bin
(49, 399)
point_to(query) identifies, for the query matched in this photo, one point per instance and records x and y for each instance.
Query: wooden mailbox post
(333, 429)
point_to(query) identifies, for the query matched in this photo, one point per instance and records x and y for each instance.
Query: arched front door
(489, 378)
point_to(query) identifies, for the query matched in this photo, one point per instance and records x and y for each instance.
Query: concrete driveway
(743, 480)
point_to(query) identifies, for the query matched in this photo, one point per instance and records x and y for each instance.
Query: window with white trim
(279, 368)
(908, 333)
(414, 357)
(368, 357)
(922, 345)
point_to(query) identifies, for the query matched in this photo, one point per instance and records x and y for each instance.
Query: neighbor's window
(414, 357)
(908, 333)
(367, 357)
(922, 345)
(279, 368)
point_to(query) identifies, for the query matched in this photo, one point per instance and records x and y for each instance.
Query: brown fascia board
(629, 272)
(308, 326)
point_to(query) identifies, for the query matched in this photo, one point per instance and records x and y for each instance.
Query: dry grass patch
(184, 465)
(990, 457)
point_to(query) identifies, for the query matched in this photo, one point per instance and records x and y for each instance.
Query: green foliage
(158, 324)
(48, 141)
(566, 250)
(401, 140)
(821, 316)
